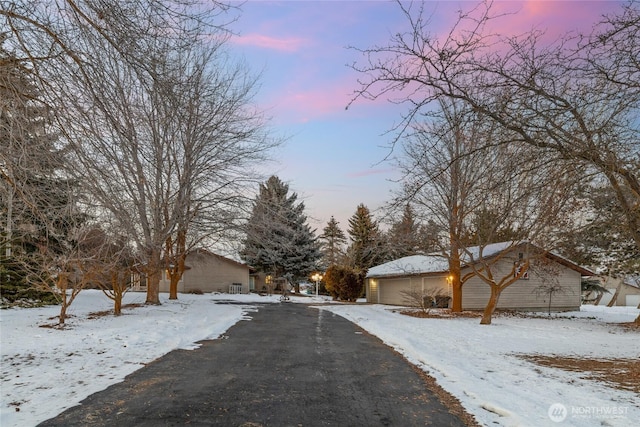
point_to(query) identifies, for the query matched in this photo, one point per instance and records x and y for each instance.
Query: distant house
(265, 283)
(629, 294)
(386, 282)
(205, 272)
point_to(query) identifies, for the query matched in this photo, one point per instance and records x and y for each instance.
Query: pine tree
(403, 237)
(605, 243)
(366, 248)
(35, 214)
(489, 226)
(278, 239)
(429, 237)
(333, 243)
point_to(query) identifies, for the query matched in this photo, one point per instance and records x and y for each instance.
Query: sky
(97, 349)
(333, 157)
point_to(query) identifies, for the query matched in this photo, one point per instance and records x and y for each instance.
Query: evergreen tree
(278, 239)
(605, 243)
(489, 225)
(34, 210)
(429, 237)
(403, 237)
(333, 243)
(366, 248)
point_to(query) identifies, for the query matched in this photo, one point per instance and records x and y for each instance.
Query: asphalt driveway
(291, 365)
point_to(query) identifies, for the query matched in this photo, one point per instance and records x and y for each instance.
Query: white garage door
(632, 300)
(391, 291)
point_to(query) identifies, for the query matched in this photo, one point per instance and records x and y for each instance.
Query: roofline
(208, 252)
(555, 257)
(387, 276)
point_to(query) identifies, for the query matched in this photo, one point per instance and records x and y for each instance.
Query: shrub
(343, 283)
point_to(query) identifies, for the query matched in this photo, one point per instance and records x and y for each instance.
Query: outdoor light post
(317, 277)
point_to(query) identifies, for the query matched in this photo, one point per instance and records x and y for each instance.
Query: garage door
(391, 291)
(632, 300)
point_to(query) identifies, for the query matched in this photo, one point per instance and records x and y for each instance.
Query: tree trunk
(491, 305)
(598, 298)
(62, 285)
(177, 271)
(153, 285)
(456, 283)
(614, 298)
(117, 304)
(456, 288)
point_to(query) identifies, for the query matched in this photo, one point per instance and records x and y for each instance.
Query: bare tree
(157, 115)
(566, 96)
(444, 175)
(459, 168)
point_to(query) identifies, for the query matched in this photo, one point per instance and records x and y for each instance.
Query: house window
(267, 279)
(517, 269)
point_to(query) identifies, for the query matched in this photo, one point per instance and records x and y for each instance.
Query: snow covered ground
(45, 371)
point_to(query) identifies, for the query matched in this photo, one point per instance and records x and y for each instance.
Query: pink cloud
(556, 17)
(309, 99)
(287, 44)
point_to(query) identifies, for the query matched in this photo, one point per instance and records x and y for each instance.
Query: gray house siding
(526, 294)
(209, 272)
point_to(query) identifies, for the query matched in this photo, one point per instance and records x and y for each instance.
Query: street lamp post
(317, 277)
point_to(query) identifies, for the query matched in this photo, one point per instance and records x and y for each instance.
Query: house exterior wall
(373, 296)
(628, 296)
(210, 273)
(165, 282)
(525, 294)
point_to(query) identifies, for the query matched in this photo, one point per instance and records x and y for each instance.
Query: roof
(411, 265)
(633, 281)
(206, 252)
(436, 263)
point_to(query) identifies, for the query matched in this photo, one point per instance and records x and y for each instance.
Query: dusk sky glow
(333, 157)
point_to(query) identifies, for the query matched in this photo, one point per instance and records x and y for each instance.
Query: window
(517, 269)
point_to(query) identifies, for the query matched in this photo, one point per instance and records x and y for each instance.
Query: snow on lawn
(479, 364)
(45, 371)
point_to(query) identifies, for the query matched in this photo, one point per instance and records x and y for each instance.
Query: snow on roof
(438, 263)
(432, 263)
(414, 264)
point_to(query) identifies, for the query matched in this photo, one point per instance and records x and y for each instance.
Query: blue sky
(333, 157)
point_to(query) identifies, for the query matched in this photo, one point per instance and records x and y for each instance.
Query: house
(210, 272)
(265, 283)
(386, 283)
(205, 272)
(629, 293)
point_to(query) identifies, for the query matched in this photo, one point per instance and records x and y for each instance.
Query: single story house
(205, 272)
(265, 283)
(386, 283)
(629, 294)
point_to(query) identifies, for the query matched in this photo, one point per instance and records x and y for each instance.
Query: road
(290, 365)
